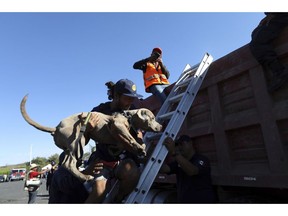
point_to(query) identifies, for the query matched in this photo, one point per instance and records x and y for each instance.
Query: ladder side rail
(156, 160)
(146, 173)
(153, 158)
(187, 100)
(153, 172)
(166, 105)
(195, 84)
(173, 92)
(152, 167)
(158, 147)
(176, 121)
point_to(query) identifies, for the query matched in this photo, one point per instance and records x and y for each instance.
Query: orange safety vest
(153, 76)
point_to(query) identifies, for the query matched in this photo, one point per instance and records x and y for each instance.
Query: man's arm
(141, 65)
(189, 168)
(163, 68)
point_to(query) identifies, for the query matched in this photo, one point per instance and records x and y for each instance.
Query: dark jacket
(65, 188)
(197, 188)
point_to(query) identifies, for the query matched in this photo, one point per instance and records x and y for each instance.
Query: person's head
(53, 163)
(156, 53)
(34, 166)
(124, 94)
(185, 145)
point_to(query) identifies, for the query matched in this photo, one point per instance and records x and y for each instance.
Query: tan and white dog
(101, 128)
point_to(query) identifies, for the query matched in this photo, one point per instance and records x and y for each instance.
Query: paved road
(13, 193)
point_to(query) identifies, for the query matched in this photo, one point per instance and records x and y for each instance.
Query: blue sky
(64, 59)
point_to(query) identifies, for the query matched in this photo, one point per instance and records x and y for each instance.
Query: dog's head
(145, 120)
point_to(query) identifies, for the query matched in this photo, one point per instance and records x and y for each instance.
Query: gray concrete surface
(14, 193)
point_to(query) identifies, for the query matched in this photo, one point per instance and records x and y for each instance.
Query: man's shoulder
(103, 107)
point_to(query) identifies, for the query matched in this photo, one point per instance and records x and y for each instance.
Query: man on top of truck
(155, 74)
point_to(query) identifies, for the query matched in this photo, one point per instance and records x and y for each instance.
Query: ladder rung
(176, 98)
(191, 69)
(153, 136)
(185, 82)
(166, 116)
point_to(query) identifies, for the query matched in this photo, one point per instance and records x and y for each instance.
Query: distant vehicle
(2, 179)
(17, 174)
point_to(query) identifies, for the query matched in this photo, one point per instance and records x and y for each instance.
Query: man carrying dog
(125, 169)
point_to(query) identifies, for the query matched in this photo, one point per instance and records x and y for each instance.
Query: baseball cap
(126, 87)
(157, 49)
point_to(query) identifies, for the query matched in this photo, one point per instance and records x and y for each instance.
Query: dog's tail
(30, 121)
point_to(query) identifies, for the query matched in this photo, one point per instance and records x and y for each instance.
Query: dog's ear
(136, 117)
(146, 120)
(141, 118)
(142, 114)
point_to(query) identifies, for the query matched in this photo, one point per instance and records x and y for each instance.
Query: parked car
(2, 178)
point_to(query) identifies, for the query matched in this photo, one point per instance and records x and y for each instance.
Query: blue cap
(126, 87)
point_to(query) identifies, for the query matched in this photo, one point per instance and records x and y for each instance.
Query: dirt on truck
(240, 127)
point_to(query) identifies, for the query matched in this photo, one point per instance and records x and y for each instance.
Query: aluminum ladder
(172, 114)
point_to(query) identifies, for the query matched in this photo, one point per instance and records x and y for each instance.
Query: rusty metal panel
(237, 124)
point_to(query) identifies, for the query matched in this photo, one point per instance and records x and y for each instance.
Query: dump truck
(240, 127)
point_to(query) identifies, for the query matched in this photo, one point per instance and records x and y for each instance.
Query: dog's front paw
(142, 152)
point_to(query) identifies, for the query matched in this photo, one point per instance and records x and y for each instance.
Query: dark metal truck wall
(237, 124)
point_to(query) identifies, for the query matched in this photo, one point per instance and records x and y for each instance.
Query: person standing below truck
(155, 74)
(262, 48)
(33, 188)
(193, 174)
(50, 175)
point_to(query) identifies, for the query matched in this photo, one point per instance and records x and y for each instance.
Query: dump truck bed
(237, 124)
